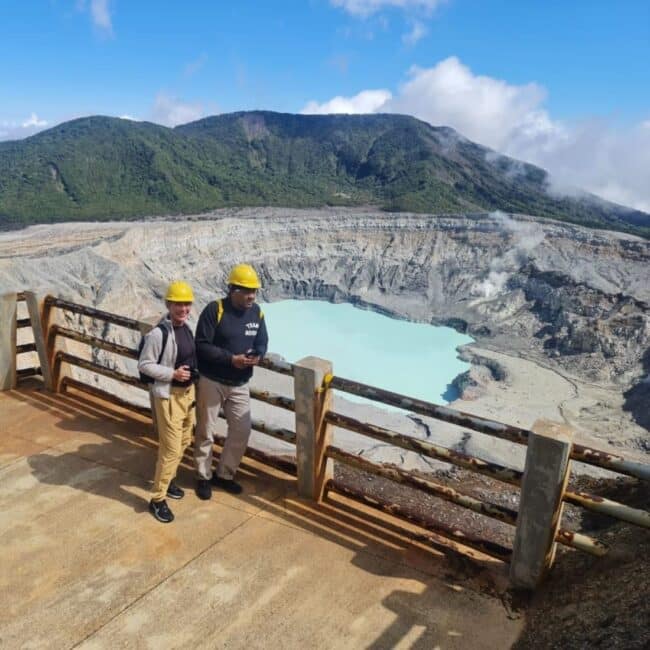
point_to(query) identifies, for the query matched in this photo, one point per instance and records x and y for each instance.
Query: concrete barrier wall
(8, 311)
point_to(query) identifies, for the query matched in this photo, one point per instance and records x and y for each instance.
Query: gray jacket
(162, 372)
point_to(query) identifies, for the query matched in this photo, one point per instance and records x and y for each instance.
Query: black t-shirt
(186, 353)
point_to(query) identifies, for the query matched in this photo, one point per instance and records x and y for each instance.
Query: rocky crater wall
(571, 297)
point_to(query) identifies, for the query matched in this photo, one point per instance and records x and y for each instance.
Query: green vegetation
(108, 168)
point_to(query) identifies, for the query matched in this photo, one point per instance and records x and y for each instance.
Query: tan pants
(174, 420)
(236, 405)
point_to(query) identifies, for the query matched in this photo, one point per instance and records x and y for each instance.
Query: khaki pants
(236, 405)
(174, 420)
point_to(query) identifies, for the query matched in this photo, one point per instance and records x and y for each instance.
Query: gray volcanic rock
(571, 299)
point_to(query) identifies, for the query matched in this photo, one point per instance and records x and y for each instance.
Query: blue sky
(563, 84)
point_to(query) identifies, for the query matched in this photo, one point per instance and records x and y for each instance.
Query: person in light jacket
(168, 357)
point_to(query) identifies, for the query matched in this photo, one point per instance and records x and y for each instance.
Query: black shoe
(161, 511)
(203, 489)
(174, 492)
(227, 484)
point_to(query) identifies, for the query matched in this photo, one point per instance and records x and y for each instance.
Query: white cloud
(608, 160)
(17, 130)
(100, 14)
(99, 10)
(368, 7)
(170, 111)
(368, 101)
(487, 110)
(33, 120)
(418, 32)
(596, 156)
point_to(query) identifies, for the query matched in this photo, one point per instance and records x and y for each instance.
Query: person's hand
(241, 361)
(182, 373)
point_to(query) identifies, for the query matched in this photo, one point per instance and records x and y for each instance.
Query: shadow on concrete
(382, 548)
(126, 444)
(121, 442)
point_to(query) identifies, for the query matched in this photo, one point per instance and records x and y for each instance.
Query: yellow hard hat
(243, 275)
(179, 291)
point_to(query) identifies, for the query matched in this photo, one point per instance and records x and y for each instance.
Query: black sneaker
(203, 489)
(174, 492)
(161, 511)
(227, 484)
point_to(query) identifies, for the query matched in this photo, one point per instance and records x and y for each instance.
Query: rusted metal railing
(500, 513)
(66, 305)
(493, 470)
(279, 433)
(277, 365)
(482, 425)
(69, 382)
(28, 372)
(281, 401)
(581, 453)
(480, 466)
(93, 341)
(399, 475)
(286, 435)
(450, 533)
(283, 464)
(65, 357)
(485, 426)
(608, 507)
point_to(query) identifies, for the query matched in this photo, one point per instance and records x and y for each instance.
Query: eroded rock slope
(567, 297)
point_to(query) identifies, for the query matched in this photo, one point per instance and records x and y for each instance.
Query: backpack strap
(165, 334)
(219, 310)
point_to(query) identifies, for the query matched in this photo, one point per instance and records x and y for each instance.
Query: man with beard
(231, 339)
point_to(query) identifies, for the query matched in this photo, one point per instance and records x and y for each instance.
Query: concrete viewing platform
(83, 564)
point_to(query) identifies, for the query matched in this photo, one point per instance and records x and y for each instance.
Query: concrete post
(540, 508)
(312, 433)
(35, 307)
(8, 311)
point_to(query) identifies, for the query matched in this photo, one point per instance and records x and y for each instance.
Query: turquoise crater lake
(415, 359)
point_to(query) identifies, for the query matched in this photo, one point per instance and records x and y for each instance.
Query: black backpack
(145, 379)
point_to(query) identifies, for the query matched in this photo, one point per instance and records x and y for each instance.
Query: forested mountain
(109, 168)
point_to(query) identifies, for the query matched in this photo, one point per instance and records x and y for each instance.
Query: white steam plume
(525, 237)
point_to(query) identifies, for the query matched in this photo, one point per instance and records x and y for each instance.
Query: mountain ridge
(106, 168)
